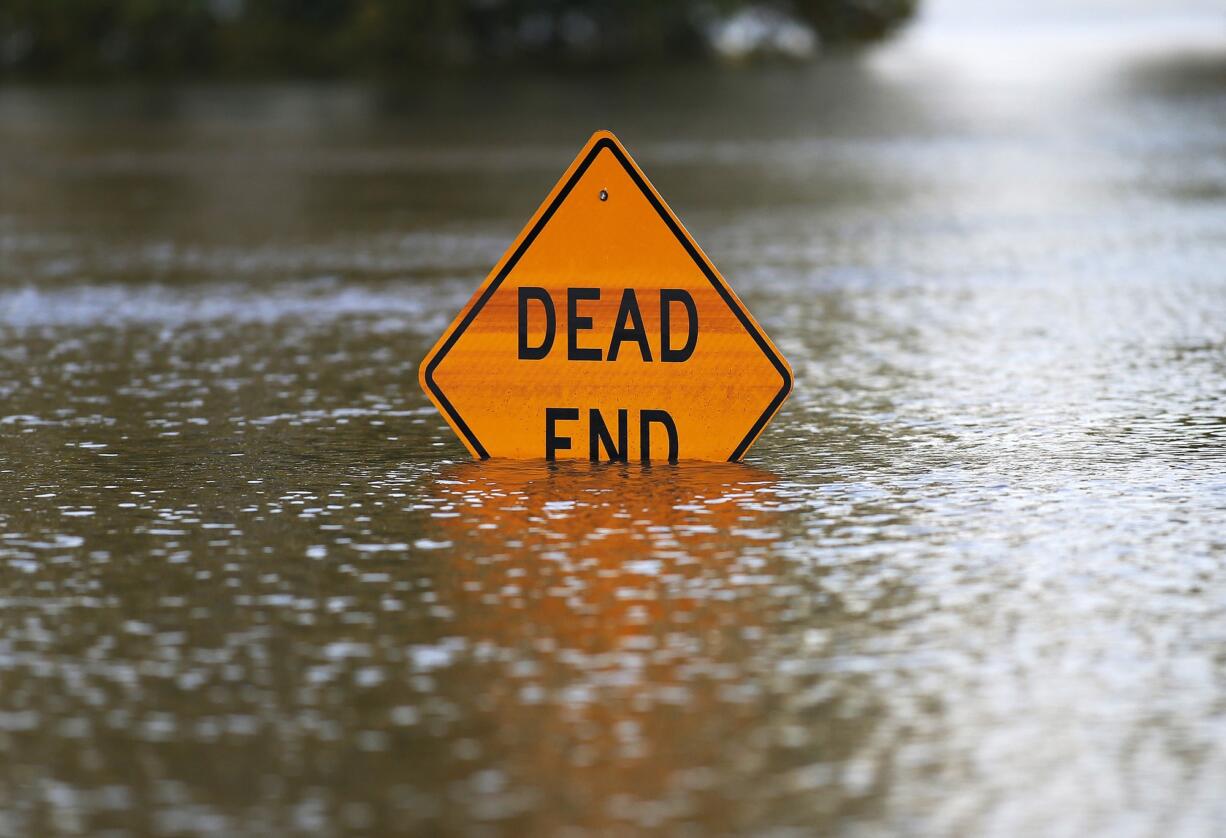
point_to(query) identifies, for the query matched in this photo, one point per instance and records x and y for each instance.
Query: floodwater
(972, 580)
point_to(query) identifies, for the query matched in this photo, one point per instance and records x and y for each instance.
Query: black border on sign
(701, 262)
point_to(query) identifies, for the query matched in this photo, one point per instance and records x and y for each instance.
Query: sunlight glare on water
(969, 581)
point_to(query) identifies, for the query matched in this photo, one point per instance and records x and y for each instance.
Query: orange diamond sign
(605, 333)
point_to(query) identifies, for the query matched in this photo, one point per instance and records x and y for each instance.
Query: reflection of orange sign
(625, 625)
(605, 333)
(599, 553)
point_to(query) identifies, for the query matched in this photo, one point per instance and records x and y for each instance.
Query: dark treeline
(88, 39)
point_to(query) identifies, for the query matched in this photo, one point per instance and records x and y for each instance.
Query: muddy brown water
(970, 581)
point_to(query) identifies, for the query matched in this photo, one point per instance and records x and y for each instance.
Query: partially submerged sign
(605, 333)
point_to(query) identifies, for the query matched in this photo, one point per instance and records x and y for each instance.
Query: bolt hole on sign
(605, 333)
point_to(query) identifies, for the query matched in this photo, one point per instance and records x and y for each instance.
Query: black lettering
(629, 310)
(660, 417)
(667, 297)
(599, 436)
(535, 353)
(553, 442)
(575, 324)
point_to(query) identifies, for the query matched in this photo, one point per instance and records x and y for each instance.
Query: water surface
(971, 580)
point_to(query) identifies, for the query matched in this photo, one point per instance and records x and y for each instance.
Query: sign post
(605, 333)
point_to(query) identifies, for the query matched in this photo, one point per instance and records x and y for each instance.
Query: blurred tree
(855, 21)
(105, 38)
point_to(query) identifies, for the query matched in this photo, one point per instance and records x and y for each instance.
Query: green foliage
(212, 38)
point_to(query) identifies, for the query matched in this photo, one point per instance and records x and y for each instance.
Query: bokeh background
(970, 581)
(383, 38)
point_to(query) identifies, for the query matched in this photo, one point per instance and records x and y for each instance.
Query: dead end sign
(605, 333)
